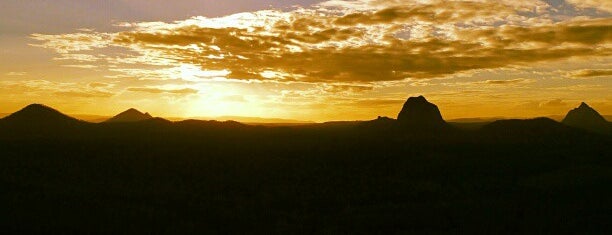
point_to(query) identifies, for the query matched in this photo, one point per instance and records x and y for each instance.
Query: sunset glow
(308, 60)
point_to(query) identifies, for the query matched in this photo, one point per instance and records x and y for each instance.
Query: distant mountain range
(243, 119)
(282, 121)
(417, 115)
(254, 120)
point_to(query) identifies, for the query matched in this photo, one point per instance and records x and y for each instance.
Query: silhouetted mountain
(39, 120)
(587, 118)
(370, 177)
(418, 114)
(148, 128)
(130, 115)
(38, 113)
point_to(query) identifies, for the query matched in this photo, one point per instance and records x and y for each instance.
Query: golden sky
(307, 60)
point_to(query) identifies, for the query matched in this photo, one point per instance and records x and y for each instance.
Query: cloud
(85, 94)
(155, 90)
(339, 88)
(16, 73)
(553, 103)
(99, 84)
(379, 102)
(491, 83)
(509, 81)
(349, 42)
(579, 88)
(66, 43)
(589, 73)
(80, 66)
(48, 88)
(436, 12)
(604, 5)
(77, 57)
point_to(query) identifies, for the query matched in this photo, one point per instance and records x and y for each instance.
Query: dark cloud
(505, 82)
(347, 88)
(586, 33)
(589, 73)
(439, 12)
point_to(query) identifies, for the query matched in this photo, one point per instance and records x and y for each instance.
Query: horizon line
(96, 118)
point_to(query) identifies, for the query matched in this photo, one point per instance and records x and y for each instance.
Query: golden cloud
(589, 73)
(380, 41)
(437, 12)
(494, 82)
(66, 43)
(333, 88)
(16, 74)
(85, 94)
(554, 103)
(80, 66)
(155, 90)
(509, 81)
(99, 84)
(604, 5)
(45, 88)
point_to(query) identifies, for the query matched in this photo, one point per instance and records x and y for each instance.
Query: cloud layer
(335, 43)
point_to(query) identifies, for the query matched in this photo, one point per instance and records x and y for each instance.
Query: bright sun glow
(194, 73)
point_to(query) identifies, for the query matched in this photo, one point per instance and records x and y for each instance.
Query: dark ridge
(535, 124)
(381, 123)
(130, 115)
(530, 130)
(212, 123)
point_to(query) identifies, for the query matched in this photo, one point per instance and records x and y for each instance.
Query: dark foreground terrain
(154, 176)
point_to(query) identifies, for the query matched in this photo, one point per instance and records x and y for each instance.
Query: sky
(306, 59)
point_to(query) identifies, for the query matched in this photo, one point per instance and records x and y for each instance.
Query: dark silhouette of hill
(154, 122)
(39, 120)
(368, 177)
(534, 126)
(420, 115)
(37, 113)
(130, 115)
(587, 118)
